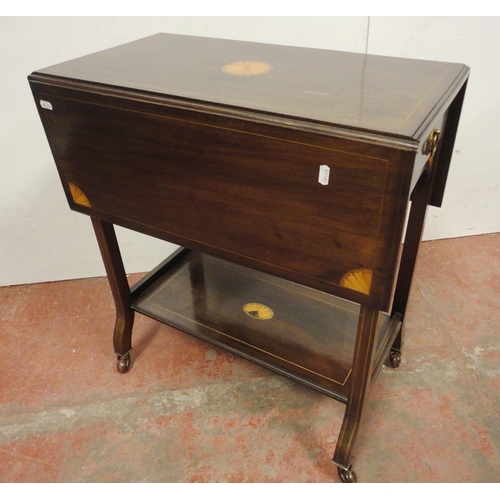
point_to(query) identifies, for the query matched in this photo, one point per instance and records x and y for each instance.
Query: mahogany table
(283, 173)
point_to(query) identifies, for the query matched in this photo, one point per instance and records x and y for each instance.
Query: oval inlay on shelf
(258, 311)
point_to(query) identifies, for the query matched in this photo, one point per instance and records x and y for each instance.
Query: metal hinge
(431, 143)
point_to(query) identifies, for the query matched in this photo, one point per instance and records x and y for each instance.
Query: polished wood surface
(382, 94)
(285, 172)
(148, 136)
(309, 335)
(247, 194)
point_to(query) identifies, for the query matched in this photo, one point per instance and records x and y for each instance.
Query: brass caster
(346, 475)
(395, 359)
(123, 364)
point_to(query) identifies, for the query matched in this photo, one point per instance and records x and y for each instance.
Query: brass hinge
(430, 146)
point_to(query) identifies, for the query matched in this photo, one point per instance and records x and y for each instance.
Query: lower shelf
(301, 333)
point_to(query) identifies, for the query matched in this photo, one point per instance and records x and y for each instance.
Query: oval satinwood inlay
(247, 68)
(258, 311)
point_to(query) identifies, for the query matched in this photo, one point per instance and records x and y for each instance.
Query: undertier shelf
(299, 332)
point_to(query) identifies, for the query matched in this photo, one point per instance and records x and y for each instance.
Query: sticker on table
(324, 175)
(46, 104)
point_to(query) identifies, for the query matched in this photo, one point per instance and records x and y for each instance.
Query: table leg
(416, 221)
(366, 339)
(110, 251)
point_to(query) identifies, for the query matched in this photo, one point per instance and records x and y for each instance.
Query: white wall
(42, 240)
(472, 199)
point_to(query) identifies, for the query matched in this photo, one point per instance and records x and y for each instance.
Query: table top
(385, 95)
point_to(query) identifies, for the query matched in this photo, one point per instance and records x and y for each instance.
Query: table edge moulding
(287, 176)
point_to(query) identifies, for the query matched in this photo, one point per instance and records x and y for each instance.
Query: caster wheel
(123, 364)
(395, 359)
(346, 475)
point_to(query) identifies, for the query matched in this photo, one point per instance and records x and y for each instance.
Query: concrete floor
(188, 412)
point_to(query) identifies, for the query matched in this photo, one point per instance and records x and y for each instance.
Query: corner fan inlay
(78, 196)
(359, 280)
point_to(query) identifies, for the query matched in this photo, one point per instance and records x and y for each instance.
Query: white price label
(324, 175)
(45, 104)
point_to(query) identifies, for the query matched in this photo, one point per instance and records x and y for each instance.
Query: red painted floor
(188, 412)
